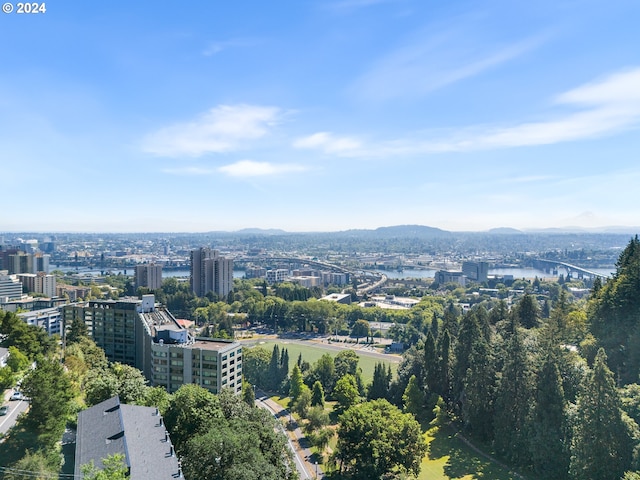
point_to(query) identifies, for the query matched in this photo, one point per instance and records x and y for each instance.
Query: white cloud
(190, 171)
(430, 63)
(250, 168)
(606, 107)
(221, 129)
(327, 142)
(217, 47)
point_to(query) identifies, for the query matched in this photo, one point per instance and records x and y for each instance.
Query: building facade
(140, 334)
(149, 276)
(10, 287)
(210, 273)
(39, 283)
(476, 271)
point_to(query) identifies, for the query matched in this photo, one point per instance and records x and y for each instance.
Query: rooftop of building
(136, 432)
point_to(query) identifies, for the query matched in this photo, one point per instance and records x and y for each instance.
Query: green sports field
(312, 352)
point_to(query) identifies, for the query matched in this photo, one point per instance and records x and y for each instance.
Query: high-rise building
(210, 272)
(21, 262)
(476, 271)
(39, 283)
(149, 275)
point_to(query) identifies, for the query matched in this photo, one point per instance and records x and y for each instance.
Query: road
(300, 454)
(15, 409)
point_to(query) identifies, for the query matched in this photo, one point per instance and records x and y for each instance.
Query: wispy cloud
(349, 5)
(241, 168)
(221, 129)
(216, 47)
(429, 63)
(328, 143)
(250, 168)
(605, 107)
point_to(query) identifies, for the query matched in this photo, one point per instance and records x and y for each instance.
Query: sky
(319, 115)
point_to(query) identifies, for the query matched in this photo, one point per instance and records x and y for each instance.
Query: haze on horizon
(320, 116)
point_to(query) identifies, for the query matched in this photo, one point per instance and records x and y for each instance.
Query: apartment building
(148, 337)
(210, 272)
(148, 275)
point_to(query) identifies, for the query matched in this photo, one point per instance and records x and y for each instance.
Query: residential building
(50, 319)
(148, 337)
(10, 287)
(21, 262)
(40, 282)
(210, 272)
(149, 276)
(135, 432)
(307, 282)
(277, 275)
(476, 271)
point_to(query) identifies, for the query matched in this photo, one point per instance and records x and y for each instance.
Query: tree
(345, 393)
(479, 385)
(602, 445)
(376, 438)
(360, 329)
(193, 410)
(549, 443)
(34, 466)
(303, 402)
(255, 366)
(114, 469)
(50, 391)
(317, 418)
(380, 384)
(118, 379)
(317, 395)
(295, 383)
(324, 371)
(77, 330)
(513, 403)
(345, 362)
(17, 360)
(413, 398)
(248, 395)
(527, 311)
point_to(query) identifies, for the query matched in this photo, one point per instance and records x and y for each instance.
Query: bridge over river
(543, 263)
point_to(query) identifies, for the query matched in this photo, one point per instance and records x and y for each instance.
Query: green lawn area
(312, 353)
(450, 458)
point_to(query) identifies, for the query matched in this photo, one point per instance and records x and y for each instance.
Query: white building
(49, 319)
(10, 287)
(277, 275)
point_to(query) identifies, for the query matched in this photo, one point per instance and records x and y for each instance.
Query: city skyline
(320, 116)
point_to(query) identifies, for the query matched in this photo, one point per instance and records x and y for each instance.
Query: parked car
(17, 396)
(4, 410)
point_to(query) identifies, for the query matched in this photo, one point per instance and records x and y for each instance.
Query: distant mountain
(504, 231)
(614, 230)
(262, 231)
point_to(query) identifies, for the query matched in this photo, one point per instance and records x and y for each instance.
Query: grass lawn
(450, 458)
(312, 353)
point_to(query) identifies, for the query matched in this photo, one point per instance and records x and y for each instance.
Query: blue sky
(320, 115)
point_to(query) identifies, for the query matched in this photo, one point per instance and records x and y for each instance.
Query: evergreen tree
(317, 395)
(549, 442)
(479, 388)
(528, 312)
(414, 399)
(513, 403)
(284, 366)
(273, 381)
(602, 445)
(614, 312)
(430, 365)
(434, 326)
(469, 333)
(444, 370)
(296, 383)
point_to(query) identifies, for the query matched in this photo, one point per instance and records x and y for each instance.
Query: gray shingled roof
(136, 432)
